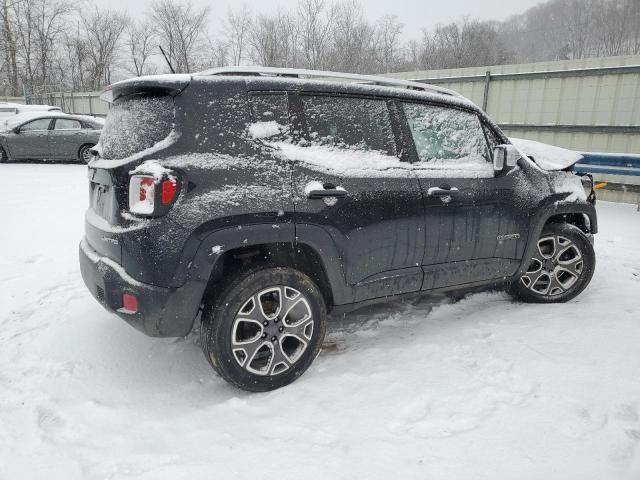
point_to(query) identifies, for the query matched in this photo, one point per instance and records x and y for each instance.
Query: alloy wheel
(272, 330)
(556, 266)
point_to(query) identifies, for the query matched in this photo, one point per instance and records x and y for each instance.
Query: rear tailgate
(140, 121)
(102, 215)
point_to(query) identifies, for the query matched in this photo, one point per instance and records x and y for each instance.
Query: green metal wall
(590, 104)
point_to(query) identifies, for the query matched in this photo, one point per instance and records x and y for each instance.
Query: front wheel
(562, 266)
(265, 329)
(3, 156)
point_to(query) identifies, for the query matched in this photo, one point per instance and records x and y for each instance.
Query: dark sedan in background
(49, 136)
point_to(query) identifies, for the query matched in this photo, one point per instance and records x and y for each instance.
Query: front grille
(100, 293)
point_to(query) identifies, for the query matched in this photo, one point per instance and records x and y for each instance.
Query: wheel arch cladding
(235, 248)
(581, 220)
(553, 211)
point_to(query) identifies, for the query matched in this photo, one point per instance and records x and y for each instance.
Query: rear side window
(67, 124)
(443, 134)
(270, 107)
(270, 116)
(354, 123)
(135, 124)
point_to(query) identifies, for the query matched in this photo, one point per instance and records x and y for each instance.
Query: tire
(561, 267)
(265, 329)
(84, 154)
(4, 158)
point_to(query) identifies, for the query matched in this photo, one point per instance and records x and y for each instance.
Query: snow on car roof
(24, 117)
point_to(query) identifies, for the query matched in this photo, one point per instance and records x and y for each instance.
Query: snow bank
(482, 389)
(547, 156)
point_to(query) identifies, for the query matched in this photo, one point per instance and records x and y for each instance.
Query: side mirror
(505, 156)
(16, 130)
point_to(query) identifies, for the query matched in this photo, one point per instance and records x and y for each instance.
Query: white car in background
(9, 109)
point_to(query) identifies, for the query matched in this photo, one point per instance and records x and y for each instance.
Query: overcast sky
(415, 14)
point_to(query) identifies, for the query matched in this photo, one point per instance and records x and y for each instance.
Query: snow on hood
(546, 156)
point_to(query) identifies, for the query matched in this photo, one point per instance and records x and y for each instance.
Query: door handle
(439, 192)
(317, 190)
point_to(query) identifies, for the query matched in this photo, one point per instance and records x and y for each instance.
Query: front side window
(446, 135)
(40, 124)
(352, 123)
(67, 124)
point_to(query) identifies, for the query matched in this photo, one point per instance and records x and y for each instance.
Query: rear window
(135, 124)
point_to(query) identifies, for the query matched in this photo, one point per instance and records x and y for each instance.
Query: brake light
(169, 190)
(149, 196)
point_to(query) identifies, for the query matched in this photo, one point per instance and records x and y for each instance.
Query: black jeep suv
(266, 199)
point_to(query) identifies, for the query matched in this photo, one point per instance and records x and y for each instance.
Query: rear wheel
(561, 267)
(3, 156)
(84, 154)
(265, 329)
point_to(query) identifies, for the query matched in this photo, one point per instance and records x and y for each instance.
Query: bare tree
(353, 39)
(273, 40)
(388, 35)
(237, 26)
(614, 26)
(11, 61)
(102, 36)
(181, 29)
(71, 66)
(218, 53)
(140, 43)
(315, 19)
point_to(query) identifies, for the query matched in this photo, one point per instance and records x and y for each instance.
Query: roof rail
(320, 74)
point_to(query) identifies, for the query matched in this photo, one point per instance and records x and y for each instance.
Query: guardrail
(616, 175)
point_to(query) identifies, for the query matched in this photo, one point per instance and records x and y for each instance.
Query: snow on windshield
(136, 124)
(546, 156)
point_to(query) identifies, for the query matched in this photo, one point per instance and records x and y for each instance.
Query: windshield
(136, 124)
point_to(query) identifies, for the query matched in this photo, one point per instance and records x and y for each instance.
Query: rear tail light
(169, 190)
(150, 196)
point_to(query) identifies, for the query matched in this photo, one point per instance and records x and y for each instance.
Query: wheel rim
(556, 266)
(86, 154)
(272, 330)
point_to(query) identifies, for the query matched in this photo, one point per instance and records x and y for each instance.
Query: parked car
(267, 199)
(9, 109)
(49, 136)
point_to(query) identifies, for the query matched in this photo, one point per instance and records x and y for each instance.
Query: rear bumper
(162, 312)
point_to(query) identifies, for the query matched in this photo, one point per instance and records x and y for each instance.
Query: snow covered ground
(482, 389)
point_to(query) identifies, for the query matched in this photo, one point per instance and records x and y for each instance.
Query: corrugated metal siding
(530, 106)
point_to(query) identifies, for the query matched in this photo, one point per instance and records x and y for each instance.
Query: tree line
(53, 45)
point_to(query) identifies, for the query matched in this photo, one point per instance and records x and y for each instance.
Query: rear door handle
(317, 190)
(439, 192)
